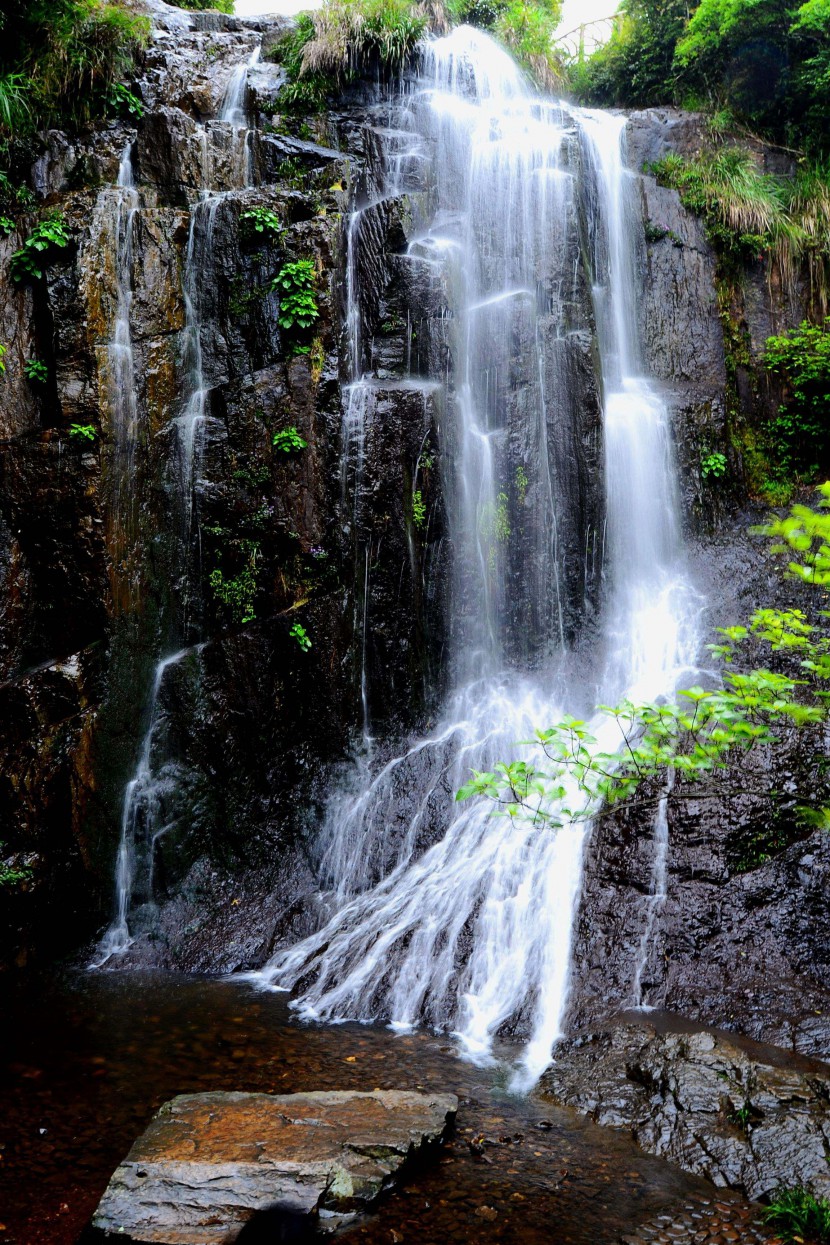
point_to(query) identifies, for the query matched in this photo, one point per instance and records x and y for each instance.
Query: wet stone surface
(210, 1163)
(745, 1116)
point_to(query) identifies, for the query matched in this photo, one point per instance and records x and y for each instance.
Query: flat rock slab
(209, 1163)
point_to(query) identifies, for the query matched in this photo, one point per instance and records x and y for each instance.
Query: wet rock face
(208, 1164)
(741, 938)
(712, 1106)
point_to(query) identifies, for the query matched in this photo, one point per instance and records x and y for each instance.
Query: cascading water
(150, 806)
(120, 363)
(442, 913)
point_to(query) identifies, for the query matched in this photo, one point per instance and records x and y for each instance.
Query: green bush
(261, 222)
(201, 6)
(60, 59)
(38, 251)
(713, 464)
(797, 1215)
(36, 372)
(295, 285)
(800, 431)
(765, 62)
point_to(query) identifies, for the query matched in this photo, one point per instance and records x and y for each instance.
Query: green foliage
(36, 371)
(200, 6)
(712, 465)
(695, 736)
(261, 222)
(636, 64)
(64, 57)
(801, 358)
(299, 633)
(744, 209)
(526, 28)
(13, 198)
(82, 432)
(237, 593)
(122, 101)
(521, 484)
(295, 285)
(350, 36)
(763, 63)
(419, 509)
(798, 1215)
(289, 441)
(12, 875)
(38, 251)
(481, 13)
(3, 352)
(14, 106)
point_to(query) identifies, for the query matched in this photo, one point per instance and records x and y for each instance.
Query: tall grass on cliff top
(345, 36)
(750, 214)
(59, 59)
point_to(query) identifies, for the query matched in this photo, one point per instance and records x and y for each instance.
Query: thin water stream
(149, 806)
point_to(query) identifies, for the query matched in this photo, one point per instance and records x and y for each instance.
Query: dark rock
(704, 1102)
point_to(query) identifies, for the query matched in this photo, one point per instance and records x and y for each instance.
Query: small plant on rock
(419, 509)
(799, 1216)
(36, 372)
(289, 441)
(122, 101)
(82, 432)
(295, 285)
(712, 465)
(261, 221)
(38, 251)
(3, 353)
(299, 633)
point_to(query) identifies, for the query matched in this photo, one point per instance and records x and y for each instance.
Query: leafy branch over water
(701, 731)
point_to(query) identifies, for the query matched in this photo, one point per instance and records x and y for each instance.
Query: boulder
(208, 1164)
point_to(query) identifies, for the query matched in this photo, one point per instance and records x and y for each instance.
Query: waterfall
(150, 806)
(441, 913)
(121, 390)
(142, 824)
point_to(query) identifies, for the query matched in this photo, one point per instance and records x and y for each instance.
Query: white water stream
(441, 913)
(149, 808)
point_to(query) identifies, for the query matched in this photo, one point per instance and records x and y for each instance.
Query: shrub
(419, 509)
(3, 353)
(797, 1215)
(65, 56)
(295, 285)
(527, 30)
(38, 251)
(201, 6)
(344, 37)
(801, 358)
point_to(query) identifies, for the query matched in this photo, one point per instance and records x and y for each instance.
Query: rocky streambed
(91, 1059)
